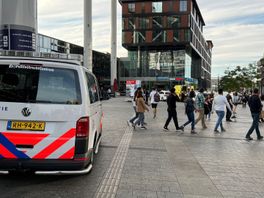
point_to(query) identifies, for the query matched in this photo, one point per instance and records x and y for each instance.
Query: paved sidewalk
(172, 164)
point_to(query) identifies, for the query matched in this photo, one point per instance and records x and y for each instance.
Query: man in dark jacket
(171, 102)
(255, 109)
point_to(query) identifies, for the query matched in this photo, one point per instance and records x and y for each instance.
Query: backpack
(156, 97)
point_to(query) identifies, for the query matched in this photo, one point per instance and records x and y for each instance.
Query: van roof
(74, 59)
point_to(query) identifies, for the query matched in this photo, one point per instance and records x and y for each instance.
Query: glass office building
(165, 43)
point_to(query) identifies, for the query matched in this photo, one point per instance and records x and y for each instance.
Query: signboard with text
(22, 40)
(131, 87)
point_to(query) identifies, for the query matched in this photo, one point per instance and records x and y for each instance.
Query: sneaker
(229, 120)
(223, 130)
(129, 123)
(180, 129)
(233, 117)
(216, 131)
(193, 132)
(249, 138)
(143, 127)
(165, 129)
(260, 137)
(205, 127)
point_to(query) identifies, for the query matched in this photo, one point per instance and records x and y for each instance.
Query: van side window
(92, 88)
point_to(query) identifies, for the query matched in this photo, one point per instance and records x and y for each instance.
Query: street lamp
(88, 51)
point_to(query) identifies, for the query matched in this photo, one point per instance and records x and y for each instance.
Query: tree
(240, 77)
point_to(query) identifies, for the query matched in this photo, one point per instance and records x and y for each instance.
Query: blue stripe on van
(11, 147)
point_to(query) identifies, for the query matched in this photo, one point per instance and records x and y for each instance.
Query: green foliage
(240, 77)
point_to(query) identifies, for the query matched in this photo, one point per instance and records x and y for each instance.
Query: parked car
(163, 95)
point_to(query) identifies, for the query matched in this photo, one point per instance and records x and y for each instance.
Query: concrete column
(18, 24)
(88, 50)
(113, 41)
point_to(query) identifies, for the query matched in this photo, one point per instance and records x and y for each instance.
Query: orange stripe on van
(22, 138)
(55, 145)
(69, 154)
(6, 153)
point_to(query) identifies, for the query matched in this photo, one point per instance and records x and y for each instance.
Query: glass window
(183, 5)
(157, 22)
(176, 35)
(141, 36)
(143, 23)
(173, 21)
(92, 88)
(35, 84)
(131, 7)
(157, 7)
(131, 23)
(187, 35)
(142, 7)
(159, 36)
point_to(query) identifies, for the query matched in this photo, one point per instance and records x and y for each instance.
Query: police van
(50, 114)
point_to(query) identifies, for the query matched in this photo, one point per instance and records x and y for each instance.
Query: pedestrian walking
(235, 102)
(131, 121)
(255, 106)
(220, 103)
(147, 96)
(141, 108)
(199, 101)
(229, 113)
(208, 107)
(172, 113)
(189, 111)
(154, 100)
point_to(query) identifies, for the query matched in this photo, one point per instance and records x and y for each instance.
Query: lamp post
(113, 43)
(88, 52)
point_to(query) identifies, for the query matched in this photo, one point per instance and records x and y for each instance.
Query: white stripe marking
(111, 180)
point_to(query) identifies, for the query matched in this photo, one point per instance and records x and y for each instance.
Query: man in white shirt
(219, 105)
(154, 100)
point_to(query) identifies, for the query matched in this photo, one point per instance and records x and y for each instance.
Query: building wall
(101, 61)
(171, 26)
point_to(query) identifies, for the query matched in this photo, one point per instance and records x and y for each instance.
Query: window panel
(131, 7)
(157, 7)
(143, 23)
(183, 5)
(173, 21)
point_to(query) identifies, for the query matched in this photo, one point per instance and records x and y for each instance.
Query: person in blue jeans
(255, 106)
(220, 103)
(189, 110)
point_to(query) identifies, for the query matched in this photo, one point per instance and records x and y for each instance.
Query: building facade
(165, 43)
(101, 61)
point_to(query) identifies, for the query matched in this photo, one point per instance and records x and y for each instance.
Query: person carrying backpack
(199, 100)
(154, 100)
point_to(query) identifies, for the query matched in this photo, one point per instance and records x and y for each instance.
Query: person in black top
(255, 106)
(228, 112)
(171, 102)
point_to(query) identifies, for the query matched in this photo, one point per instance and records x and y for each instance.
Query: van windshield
(27, 83)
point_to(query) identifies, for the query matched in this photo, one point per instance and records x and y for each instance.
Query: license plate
(26, 126)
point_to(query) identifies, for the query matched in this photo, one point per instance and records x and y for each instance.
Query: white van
(50, 115)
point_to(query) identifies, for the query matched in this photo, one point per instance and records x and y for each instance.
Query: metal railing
(12, 53)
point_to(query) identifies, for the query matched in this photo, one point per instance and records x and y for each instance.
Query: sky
(236, 28)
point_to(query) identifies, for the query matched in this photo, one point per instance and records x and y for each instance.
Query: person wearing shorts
(154, 103)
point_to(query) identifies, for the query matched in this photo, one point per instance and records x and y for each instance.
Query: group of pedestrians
(200, 104)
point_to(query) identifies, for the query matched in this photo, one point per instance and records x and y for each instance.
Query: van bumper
(46, 166)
